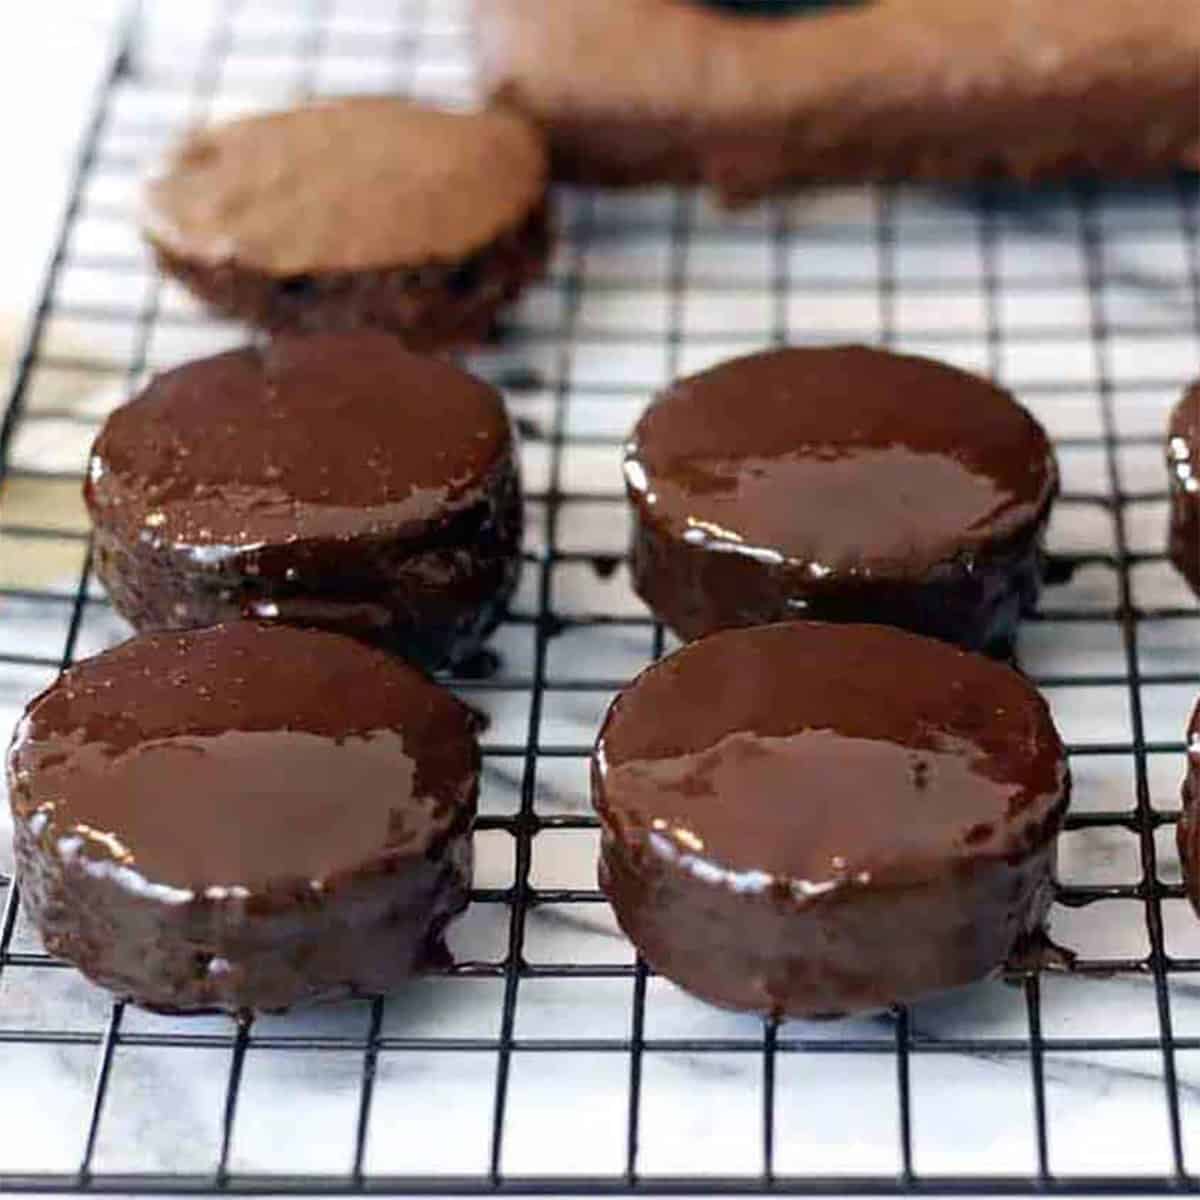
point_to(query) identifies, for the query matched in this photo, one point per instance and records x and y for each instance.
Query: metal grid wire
(1086, 300)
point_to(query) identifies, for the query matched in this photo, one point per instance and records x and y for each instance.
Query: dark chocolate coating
(807, 819)
(244, 817)
(1188, 831)
(714, 91)
(843, 483)
(1183, 464)
(337, 480)
(356, 212)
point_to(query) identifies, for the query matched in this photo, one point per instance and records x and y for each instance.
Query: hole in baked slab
(775, 8)
(297, 285)
(464, 278)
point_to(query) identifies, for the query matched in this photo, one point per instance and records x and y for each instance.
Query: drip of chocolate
(605, 565)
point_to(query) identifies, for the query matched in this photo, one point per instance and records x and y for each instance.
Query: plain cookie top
(356, 184)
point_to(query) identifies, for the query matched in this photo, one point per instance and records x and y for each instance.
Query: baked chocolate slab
(244, 817)
(842, 483)
(335, 480)
(357, 212)
(808, 820)
(649, 91)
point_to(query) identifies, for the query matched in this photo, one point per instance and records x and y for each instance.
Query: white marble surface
(837, 1111)
(51, 54)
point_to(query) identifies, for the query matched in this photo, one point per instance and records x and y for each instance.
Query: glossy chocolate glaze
(810, 819)
(843, 483)
(1183, 465)
(243, 817)
(1188, 832)
(336, 480)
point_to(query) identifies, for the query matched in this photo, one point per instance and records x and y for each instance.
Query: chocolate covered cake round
(356, 212)
(336, 480)
(244, 817)
(841, 483)
(809, 819)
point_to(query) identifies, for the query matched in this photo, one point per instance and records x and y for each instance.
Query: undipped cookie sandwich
(350, 213)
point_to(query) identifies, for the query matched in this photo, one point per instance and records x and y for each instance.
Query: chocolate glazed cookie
(336, 480)
(646, 91)
(244, 817)
(1183, 462)
(350, 213)
(845, 484)
(809, 820)
(1188, 833)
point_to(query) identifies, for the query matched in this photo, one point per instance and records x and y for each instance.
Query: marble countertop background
(972, 1065)
(51, 57)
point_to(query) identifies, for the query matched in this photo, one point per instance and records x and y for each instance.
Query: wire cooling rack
(550, 1060)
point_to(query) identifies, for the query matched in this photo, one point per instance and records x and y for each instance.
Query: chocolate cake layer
(807, 819)
(336, 480)
(842, 483)
(244, 817)
(359, 212)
